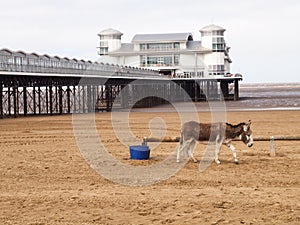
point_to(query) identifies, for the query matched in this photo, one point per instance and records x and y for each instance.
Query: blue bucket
(139, 152)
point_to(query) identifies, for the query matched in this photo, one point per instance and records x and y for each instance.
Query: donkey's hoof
(178, 161)
(217, 161)
(236, 162)
(195, 160)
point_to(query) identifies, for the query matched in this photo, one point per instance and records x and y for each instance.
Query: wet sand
(45, 180)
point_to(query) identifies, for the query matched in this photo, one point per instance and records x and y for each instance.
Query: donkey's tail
(181, 138)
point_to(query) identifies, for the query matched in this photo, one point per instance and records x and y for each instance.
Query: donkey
(220, 133)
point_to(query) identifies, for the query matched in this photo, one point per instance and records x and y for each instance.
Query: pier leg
(196, 91)
(56, 99)
(108, 93)
(1, 101)
(60, 96)
(224, 90)
(69, 99)
(83, 99)
(47, 100)
(34, 100)
(79, 98)
(9, 100)
(89, 98)
(25, 100)
(51, 100)
(236, 90)
(15, 96)
(74, 99)
(39, 100)
(207, 90)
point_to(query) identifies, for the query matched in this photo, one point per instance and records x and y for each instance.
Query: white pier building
(174, 54)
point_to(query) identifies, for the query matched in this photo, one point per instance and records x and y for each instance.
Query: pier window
(218, 44)
(159, 60)
(216, 69)
(159, 46)
(112, 36)
(218, 32)
(143, 47)
(103, 43)
(176, 60)
(103, 51)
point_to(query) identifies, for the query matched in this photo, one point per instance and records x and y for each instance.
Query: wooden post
(272, 146)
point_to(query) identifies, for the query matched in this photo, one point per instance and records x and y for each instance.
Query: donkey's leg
(182, 149)
(219, 141)
(232, 148)
(179, 150)
(191, 150)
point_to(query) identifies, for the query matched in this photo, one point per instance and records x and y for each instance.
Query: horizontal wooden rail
(177, 139)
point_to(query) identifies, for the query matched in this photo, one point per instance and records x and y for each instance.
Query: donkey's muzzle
(250, 145)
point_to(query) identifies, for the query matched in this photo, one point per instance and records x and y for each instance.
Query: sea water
(253, 97)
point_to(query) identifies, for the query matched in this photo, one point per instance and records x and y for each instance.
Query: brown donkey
(220, 133)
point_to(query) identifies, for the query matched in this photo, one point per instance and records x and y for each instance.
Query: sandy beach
(45, 179)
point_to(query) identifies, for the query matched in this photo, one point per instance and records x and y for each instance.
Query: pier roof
(162, 37)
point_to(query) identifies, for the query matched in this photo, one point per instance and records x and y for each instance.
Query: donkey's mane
(235, 126)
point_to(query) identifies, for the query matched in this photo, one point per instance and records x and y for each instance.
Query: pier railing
(11, 61)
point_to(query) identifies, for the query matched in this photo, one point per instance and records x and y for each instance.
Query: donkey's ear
(247, 126)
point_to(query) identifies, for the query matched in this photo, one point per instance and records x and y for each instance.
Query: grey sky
(263, 35)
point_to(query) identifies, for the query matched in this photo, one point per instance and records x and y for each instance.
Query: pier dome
(212, 27)
(110, 31)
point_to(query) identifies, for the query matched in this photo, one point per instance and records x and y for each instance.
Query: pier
(32, 84)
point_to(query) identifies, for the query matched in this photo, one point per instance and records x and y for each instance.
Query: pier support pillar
(47, 100)
(15, 98)
(25, 100)
(51, 100)
(236, 90)
(1, 101)
(60, 96)
(74, 99)
(224, 90)
(34, 100)
(39, 100)
(69, 99)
